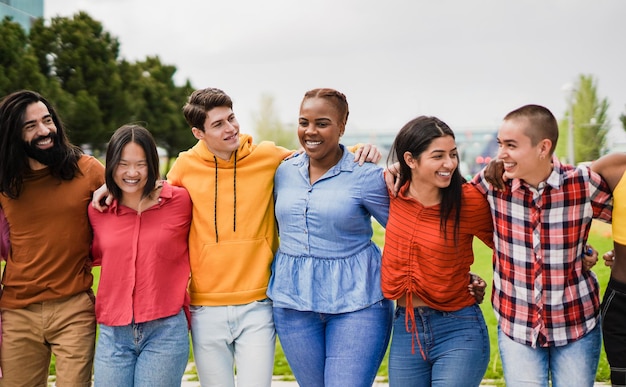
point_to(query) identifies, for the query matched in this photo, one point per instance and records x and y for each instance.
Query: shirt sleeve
(4, 236)
(601, 197)
(375, 195)
(480, 215)
(96, 254)
(480, 183)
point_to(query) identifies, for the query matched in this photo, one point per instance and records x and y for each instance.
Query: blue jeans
(455, 344)
(153, 353)
(573, 364)
(241, 336)
(332, 350)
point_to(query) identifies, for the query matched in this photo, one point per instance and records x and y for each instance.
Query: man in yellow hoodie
(232, 241)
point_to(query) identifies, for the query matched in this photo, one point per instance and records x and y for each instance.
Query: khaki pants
(65, 327)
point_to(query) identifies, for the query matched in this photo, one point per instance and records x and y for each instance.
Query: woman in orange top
(426, 262)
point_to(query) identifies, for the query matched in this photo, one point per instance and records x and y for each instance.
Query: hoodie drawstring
(234, 198)
(215, 202)
(234, 193)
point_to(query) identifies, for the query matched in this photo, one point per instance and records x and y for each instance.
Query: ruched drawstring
(410, 317)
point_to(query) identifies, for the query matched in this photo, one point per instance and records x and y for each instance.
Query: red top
(418, 259)
(144, 259)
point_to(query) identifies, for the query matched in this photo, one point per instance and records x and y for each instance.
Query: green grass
(599, 238)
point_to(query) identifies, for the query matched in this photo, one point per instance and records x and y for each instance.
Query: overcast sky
(467, 62)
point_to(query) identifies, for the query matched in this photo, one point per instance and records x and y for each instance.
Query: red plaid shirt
(541, 294)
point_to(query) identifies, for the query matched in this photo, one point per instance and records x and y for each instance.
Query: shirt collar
(166, 193)
(346, 163)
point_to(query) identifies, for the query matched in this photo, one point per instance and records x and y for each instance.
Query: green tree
(84, 59)
(96, 92)
(18, 65)
(269, 127)
(156, 101)
(591, 122)
(622, 119)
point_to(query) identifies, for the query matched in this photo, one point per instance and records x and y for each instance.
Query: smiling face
(522, 159)
(220, 133)
(39, 134)
(319, 129)
(131, 172)
(434, 167)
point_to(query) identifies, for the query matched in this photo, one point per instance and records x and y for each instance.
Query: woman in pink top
(140, 241)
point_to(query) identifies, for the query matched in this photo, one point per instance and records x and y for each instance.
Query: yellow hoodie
(233, 234)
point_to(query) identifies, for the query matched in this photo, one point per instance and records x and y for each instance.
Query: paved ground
(191, 380)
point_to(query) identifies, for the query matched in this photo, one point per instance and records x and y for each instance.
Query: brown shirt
(50, 236)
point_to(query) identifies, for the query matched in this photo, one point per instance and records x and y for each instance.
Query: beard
(50, 157)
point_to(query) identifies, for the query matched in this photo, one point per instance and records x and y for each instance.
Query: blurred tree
(18, 65)
(75, 63)
(590, 118)
(154, 100)
(269, 127)
(622, 118)
(84, 59)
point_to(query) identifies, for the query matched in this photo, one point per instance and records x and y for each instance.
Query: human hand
(477, 287)
(494, 174)
(367, 153)
(101, 198)
(392, 178)
(609, 258)
(590, 258)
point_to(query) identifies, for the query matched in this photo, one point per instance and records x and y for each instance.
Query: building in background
(24, 12)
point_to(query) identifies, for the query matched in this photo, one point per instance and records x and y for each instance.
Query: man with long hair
(47, 305)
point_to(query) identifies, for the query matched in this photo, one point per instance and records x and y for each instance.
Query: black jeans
(614, 330)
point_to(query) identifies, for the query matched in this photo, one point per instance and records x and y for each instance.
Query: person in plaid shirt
(545, 299)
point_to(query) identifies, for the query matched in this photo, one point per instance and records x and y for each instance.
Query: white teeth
(135, 181)
(313, 142)
(509, 165)
(444, 173)
(45, 141)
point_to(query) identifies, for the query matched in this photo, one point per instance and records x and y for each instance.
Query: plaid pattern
(541, 294)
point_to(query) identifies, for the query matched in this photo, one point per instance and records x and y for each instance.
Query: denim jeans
(573, 364)
(148, 354)
(236, 335)
(614, 330)
(455, 346)
(335, 350)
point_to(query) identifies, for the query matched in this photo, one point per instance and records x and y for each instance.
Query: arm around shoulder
(611, 167)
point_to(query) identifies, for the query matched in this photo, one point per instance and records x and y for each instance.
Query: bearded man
(47, 305)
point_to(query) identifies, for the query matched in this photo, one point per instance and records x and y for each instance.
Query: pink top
(144, 259)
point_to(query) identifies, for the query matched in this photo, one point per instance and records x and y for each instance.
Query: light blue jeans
(237, 335)
(335, 350)
(573, 364)
(455, 344)
(149, 354)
